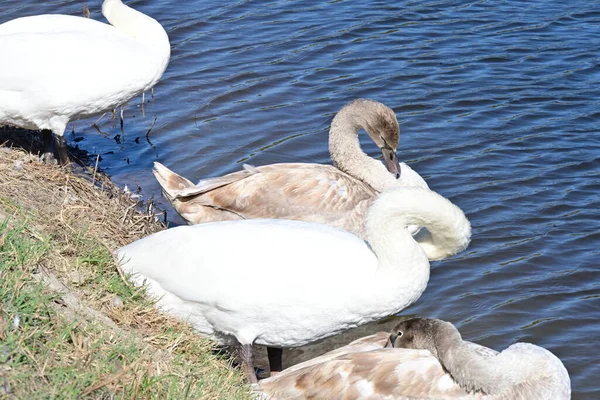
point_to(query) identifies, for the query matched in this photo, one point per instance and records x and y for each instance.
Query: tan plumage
(335, 195)
(424, 359)
(308, 192)
(365, 369)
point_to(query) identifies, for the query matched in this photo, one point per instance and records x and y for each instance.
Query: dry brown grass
(74, 222)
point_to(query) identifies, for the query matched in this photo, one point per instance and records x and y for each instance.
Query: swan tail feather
(172, 184)
(206, 185)
(177, 187)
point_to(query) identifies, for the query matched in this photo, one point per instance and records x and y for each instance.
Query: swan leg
(275, 355)
(245, 353)
(98, 120)
(61, 149)
(48, 155)
(144, 105)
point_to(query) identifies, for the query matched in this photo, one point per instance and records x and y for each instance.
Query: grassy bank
(70, 324)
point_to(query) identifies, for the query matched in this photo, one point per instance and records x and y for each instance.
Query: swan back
(296, 191)
(252, 251)
(534, 373)
(53, 23)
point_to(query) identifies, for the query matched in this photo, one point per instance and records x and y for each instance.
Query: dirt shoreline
(59, 227)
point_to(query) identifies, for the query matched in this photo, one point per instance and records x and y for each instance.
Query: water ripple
(498, 105)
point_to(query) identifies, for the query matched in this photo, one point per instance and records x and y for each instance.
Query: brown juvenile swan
(425, 359)
(337, 195)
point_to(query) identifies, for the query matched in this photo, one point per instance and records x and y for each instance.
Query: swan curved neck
(471, 370)
(139, 26)
(346, 153)
(531, 373)
(441, 245)
(396, 209)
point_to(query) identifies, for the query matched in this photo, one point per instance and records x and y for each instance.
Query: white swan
(429, 360)
(321, 280)
(337, 195)
(57, 68)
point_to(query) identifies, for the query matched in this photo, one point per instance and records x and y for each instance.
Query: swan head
(423, 333)
(381, 124)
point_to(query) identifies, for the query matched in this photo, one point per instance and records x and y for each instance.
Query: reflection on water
(498, 104)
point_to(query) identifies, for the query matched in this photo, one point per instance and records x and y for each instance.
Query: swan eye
(399, 333)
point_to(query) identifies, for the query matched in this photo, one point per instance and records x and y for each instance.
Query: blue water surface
(498, 103)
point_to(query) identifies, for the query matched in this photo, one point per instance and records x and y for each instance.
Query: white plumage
(57, 68)
(320, 280)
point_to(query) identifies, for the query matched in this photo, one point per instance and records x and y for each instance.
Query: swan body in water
(425, 359)
(58, 68)
(321, 280)
(338, 195)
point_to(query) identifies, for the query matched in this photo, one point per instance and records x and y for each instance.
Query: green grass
(50, 354)
(83, 332)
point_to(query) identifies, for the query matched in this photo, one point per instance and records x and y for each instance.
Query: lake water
(499, 107)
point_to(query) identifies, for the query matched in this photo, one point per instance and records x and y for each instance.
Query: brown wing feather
(376, 374)
(371, 342)
(309, 192)
(170, 182)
